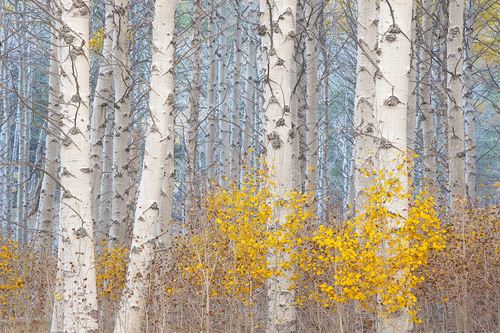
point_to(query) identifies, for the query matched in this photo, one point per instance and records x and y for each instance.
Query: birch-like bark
(122, 87)
(299, 98)
(103, 103)
(427, 118)
(51, 165)
(106, 181)
(456, 135)
(235, 119)
(311, 60)
(134, 156)
(225, 162)
(250, 94)
(160, 124)
(4, 115)
(22, 174)
(212, 92)
(277, 28)
(411, 117)
(365, 129)
(392, 84)
(194, 104)
(77, 266)
(470, 132)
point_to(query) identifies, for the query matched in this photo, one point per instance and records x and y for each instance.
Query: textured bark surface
(427, 118)
(122, 86)
(76, 251)
(470, 120)
(191, 203)
(235, 114)
(51, 164)
(212, 92)
(102, 105)
(365, 129)
(277, 30)
(456, 135)
(160, 131)
(392, 93)
(225, 162)
(312, 101)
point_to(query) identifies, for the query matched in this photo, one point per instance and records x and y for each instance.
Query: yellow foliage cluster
(232, 244)
(10, 280)
(97, 41)
(111, 272)
(373, 258)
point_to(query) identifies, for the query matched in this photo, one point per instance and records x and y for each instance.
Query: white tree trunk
(427, 119)
(160, 124)
(212, 92)
(106, 181)
(391, 111)
(277, 28)
(299, 98)
(248, 136)
(79, 301)
(103, 104)
(225, 162)
(51, 165)
(456, 135)
(312, 101)
(365, 129)
(122, 118)
(194, 105)
(411, 117)
(235, 119)
(470, 132)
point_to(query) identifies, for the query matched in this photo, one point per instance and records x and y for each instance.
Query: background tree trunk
(160, 123)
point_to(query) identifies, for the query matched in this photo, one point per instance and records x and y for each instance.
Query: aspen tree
(427, 117)
(225, 155)
(235, 119)
(102, 105)
(48, 191)
(122, 87)
(394, 50)
(160, 130)
(456, 135)
(212, 92)
(76, 250)
(470, 121)
(194, 105)
(365, 129)
(277, 29)
(311, 61)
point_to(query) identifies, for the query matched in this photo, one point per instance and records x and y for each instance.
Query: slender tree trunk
(365, 127)
(235, 130)
(51, 165)
(106, 181)
(194, 105)
(411, 116)
(212, 92)
(456, 135)
(22, 176)
(299, 98)
(277, 28)
(427, 118)
(470, 132)
(122, 119)
(391, 111)
(103, 104)
(248, 141)
(79, 301)
(160, 123)
(312, 101)
(225, 162)
(134, 156)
